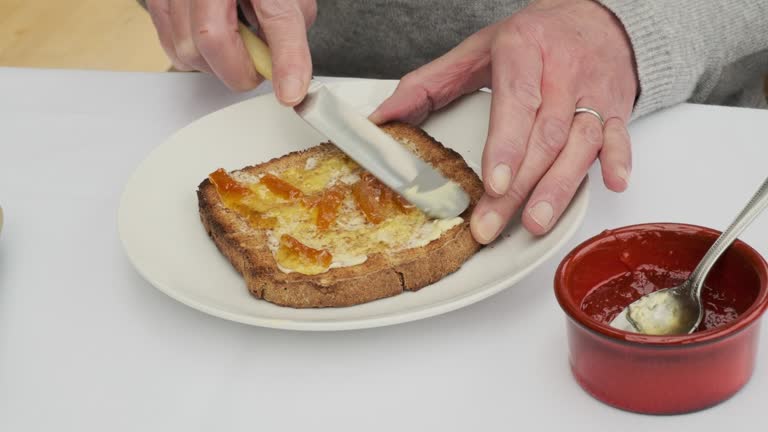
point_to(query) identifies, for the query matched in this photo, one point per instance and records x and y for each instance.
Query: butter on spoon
(678, 310)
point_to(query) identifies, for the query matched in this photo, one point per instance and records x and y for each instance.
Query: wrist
(651, 52)
(623, 39)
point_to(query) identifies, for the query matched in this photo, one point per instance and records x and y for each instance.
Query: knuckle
(506, 38)
(530, 30)
(510, 36)
(590, 133)
(561, 186)
(527, 93)
(158, 6)
(512, 145)
(410, 80)
(554, 134)
(288, 63)
(488, 33)
(207, 36)
(187, 52)
(411, 84)
(309, 9)
(616, 126)
(275, 10)
(515, 194)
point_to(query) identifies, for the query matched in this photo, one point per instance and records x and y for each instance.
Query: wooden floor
(81, 34)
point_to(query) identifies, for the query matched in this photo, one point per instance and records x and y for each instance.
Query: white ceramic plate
(164, 239)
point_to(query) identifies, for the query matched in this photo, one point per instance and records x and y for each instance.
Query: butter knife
(375, 150)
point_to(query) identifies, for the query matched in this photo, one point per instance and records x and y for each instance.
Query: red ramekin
(654, 374)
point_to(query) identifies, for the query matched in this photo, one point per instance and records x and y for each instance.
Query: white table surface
(87, 345)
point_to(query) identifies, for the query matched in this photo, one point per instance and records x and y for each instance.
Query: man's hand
(202, 35)
(541, 63)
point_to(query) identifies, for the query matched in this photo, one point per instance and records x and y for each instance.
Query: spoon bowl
(678, 310)
(663, 312)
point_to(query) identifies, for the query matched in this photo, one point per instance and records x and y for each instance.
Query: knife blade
(375, 150)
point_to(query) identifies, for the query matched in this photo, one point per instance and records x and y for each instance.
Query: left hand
(541, 63)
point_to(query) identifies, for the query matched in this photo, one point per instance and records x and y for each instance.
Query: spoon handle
(754, 207)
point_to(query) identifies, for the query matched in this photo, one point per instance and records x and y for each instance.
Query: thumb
(411, 103)
(462, 70)
(285, 29)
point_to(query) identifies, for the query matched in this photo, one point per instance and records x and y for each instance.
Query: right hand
(202, 35)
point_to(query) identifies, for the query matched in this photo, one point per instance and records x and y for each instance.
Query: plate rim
(478, 294)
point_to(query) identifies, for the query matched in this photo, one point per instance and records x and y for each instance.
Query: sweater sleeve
(681, 46)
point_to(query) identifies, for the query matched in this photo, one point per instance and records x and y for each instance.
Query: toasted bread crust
(382, 275)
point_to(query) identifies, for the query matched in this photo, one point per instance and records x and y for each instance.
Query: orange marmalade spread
(326, 214)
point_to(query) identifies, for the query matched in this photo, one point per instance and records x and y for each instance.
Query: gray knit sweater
(706, 51)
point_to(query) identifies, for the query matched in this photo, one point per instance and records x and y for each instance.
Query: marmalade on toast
(326, 214)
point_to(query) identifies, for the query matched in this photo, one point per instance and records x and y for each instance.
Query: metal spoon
(678, 310)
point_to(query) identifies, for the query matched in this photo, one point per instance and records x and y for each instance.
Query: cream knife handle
(258, 50)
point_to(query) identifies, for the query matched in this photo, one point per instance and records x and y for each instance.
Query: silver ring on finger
(587, 110)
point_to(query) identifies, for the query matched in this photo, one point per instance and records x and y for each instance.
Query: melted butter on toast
(340, 216)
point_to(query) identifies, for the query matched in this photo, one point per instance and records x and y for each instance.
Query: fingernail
(623, 174)
(542, 213)
(487, 227)
(290, 89)
(181, 67)
(500, 177)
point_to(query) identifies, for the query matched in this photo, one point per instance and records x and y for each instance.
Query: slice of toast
(384, 273)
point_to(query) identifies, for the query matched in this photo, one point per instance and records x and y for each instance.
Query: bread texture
(381, 275)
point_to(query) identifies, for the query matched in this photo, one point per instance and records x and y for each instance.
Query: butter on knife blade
(380, 154)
